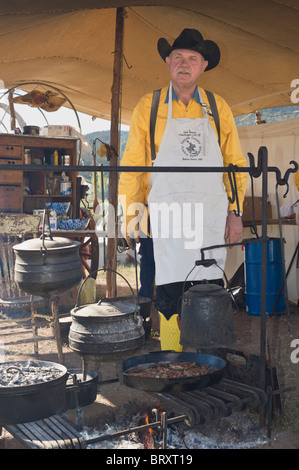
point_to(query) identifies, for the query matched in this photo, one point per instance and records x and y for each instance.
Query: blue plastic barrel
(253, 261)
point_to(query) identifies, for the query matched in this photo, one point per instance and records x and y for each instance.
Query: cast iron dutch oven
(47, 266)
(150, 384)
(25, 403)
(107, 329)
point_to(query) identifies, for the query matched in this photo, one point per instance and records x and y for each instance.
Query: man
(188, 210)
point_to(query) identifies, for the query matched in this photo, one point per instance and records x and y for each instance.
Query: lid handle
(136, 315)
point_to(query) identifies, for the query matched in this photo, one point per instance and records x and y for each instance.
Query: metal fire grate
(213, 402)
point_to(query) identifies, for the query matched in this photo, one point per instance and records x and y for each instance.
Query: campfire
(233, 432)
(148, 435)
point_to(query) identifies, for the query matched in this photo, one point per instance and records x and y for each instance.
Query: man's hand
(233, 228)
(132, 242)
(132, 237)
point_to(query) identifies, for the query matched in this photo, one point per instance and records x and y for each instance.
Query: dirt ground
(115, 402)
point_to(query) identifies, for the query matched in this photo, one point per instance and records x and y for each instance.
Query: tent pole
(114, 142)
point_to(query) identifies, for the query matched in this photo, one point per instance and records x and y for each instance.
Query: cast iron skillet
(150, 384)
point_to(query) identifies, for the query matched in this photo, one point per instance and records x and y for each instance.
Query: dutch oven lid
(103, 309)
(57, 243)
(205, 289)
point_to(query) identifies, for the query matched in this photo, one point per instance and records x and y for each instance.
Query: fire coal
(27, 373)
(31, 391)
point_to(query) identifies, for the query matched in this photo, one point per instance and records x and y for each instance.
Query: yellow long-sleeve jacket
(134, 187)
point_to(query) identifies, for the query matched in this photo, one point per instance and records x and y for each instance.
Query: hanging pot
(207, 317)
(47, 266)
(106, 330)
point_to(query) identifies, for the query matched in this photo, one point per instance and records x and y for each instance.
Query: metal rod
(164, 429)
(130, 169)
(270, 410)
(264, 158)
(84, 368)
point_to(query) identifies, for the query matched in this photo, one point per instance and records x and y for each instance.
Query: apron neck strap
(203, 105)
(169, 114)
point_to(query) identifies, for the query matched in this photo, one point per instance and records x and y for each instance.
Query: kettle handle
(107, 269)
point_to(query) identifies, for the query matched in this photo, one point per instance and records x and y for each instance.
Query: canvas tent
(70, 45)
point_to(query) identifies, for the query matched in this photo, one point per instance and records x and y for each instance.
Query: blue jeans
(147, 268)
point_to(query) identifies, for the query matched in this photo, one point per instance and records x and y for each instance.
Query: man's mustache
(183, 70)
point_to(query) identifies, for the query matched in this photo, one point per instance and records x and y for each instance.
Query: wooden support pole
(12, 110)
(114, 142)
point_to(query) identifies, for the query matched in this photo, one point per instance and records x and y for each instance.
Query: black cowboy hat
(193, 40)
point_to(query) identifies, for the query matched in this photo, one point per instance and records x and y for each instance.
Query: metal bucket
(275, 277)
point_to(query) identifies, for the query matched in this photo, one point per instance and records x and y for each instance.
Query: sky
(64, 116)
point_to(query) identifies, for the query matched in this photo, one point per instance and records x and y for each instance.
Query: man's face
(185, 66)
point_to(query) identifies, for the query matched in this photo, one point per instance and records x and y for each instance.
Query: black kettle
(207, 317)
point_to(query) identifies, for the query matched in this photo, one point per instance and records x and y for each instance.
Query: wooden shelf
(16, 186)
(53, 196)
(284, 221)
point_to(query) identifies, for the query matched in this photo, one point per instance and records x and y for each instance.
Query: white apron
(187, 210)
